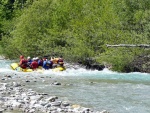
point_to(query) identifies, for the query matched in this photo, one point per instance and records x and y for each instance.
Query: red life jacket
(34, 65)
(23, 63)
(60, 61)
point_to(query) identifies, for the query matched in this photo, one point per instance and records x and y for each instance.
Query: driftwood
(2, 57)
(130, 45)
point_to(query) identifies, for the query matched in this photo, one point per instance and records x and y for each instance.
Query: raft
(15, 66)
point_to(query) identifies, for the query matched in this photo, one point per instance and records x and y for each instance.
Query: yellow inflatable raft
(59, 69)
(15, 66)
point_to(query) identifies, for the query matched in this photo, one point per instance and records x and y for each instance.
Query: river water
(99, 90)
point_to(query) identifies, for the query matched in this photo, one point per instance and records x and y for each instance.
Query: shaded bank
(91, 64)
(139, 64)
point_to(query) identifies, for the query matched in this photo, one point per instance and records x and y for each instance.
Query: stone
(65, 103)
(56, 83)
(104, 111)
(51, 99)
(58, 103)
(32, 111)
(27, 81)
(2, 78)
(1, 110)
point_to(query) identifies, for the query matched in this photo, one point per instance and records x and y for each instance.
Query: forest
(76, 29)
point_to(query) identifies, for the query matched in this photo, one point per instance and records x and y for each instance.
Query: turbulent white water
(112, 91)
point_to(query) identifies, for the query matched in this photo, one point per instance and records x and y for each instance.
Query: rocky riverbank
(14, 96)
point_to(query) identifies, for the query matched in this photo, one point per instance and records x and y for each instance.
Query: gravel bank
(15, 98)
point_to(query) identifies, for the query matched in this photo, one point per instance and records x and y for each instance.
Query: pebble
(27, 81)
(65, 103)
(2, 78)
(57, 103)
(56, 83)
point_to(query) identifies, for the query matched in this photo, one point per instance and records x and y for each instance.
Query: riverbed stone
(56, 103)
(15, 84)
(48, 105)
(56, 83)
(27, 81)
(104, 111)
(2, 78)
(65, 103)
(52, 99)
(32, 111)
(43, 103)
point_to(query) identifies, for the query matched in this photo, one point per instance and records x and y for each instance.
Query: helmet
(37, 58)
(28, 57)
(34, 59)
(21, 57)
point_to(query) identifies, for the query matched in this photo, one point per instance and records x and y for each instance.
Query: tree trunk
(130, 45)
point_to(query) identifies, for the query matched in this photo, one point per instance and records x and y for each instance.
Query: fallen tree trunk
(130, 45)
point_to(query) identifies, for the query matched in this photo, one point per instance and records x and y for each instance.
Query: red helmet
(21, 57)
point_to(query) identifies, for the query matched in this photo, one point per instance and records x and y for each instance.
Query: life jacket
(55, 60)
(40, 62)
(23, 63)
(45, 64)
(34, 65)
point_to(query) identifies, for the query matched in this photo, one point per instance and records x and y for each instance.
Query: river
(112, 91)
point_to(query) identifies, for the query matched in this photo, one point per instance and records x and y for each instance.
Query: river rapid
(112, 91)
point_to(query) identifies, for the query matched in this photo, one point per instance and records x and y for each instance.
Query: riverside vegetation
(77, 29)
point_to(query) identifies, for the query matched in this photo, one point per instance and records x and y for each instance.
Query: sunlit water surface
(99, 90)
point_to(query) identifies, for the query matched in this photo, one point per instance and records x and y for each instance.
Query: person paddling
(60, 61)
(29, 61)
(47, 64)
(55, 62)
(40, 63)
(34, 64)
(23, 62)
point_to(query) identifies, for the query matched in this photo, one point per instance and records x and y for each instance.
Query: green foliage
(76, 29)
